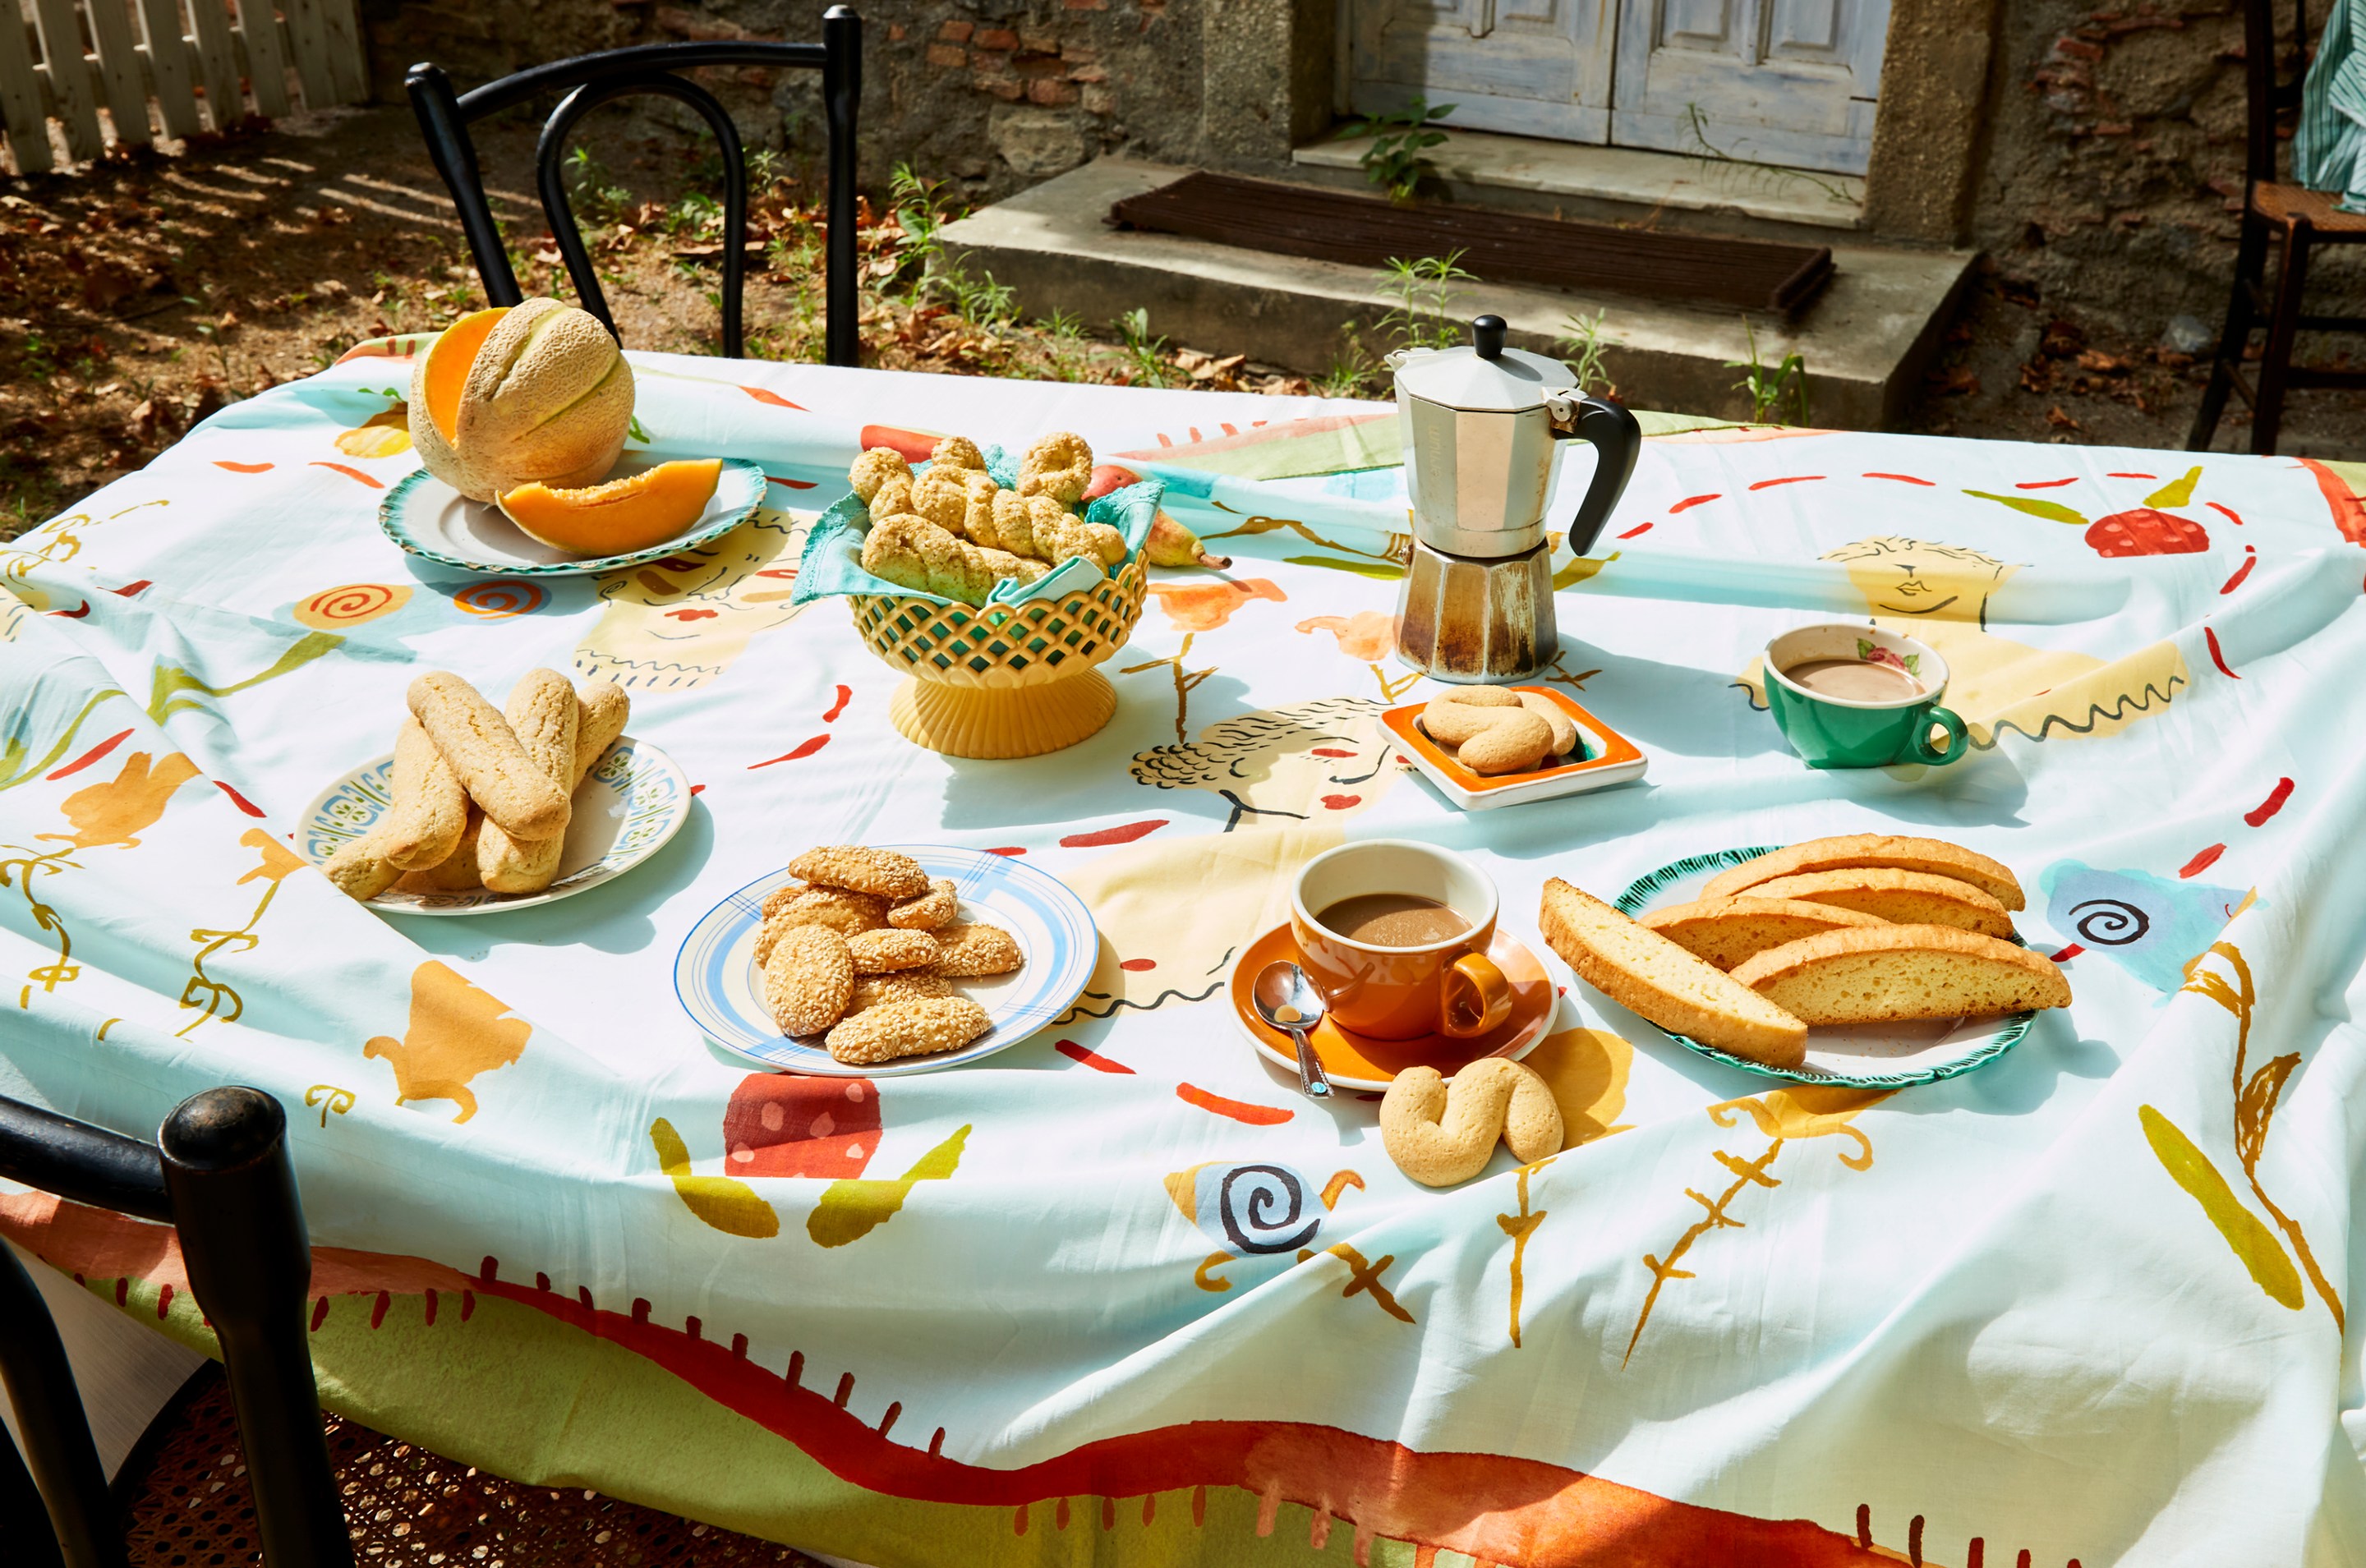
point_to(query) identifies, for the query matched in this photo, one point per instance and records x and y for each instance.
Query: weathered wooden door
(1787, 81)
(1532, 67)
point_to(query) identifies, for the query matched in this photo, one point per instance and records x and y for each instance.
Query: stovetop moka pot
(1483, 429)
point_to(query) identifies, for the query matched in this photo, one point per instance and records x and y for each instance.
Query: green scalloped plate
(1853, 1057)
(436, 523)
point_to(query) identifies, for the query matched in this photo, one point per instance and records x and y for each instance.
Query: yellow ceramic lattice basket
(1002, 679)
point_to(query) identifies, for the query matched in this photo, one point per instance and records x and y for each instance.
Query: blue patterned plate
(717, 979)
(1924, 1051)
(632, 801)
(431, 520)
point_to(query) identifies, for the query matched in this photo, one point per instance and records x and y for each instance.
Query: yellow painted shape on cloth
(848, 1211)
(682, 621)
(115, 812)
(1808, 1110)
(278, 860)
(164, 693)
(2255, 1246)
(384, 435)
(2178, 492)
(1188, 905)
(1365, 635)
(1586, 1070)
(729, 1206)
(456, 1033)
(1312, 761)
(1182, 1187)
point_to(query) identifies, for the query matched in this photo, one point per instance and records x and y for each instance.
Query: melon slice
(435, 385)
(631, 513)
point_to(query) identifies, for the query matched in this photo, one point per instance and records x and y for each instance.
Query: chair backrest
(2271, 81)
(218, 1174)
(592, 80)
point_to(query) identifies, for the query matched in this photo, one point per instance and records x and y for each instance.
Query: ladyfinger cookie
(456, 872)
(361, 870)
(601, 711)
(543, 713)
(429, 808)
(484, 751)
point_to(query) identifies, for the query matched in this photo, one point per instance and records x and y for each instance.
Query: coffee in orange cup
(1393, 933)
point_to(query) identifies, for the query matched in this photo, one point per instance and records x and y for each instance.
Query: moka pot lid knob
(1486, 378)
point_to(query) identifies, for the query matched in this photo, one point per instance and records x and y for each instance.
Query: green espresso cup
(1850, 695)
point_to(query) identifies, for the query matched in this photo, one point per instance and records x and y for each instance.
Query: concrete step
(1622, 186)
(1866, 338)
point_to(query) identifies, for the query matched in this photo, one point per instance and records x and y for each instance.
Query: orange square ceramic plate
(1603, 757)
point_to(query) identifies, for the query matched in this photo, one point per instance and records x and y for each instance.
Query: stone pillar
(1266, 78)
(1934, 72)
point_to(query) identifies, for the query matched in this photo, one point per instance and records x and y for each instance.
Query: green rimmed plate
(436, 523)
(1873, 1056)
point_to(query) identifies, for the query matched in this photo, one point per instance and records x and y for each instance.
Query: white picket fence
(66, 60)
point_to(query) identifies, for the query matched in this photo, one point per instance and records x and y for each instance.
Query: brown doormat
(1498, 247)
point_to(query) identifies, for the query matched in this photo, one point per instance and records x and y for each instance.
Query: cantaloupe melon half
(435, 384)
(632, 513)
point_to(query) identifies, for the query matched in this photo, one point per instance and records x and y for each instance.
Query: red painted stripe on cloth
(87, 758)
(2218, 657)
(2202, 862)
(2258, 815)
(1236, 1110)
(1089, 1057)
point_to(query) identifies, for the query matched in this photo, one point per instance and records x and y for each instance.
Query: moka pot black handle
(1617, 441)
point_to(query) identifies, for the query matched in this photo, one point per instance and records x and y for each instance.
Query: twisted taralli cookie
(893, 497)
(484, 751)
(429, 808)
(935, 907)
(885, 952)
(941, 495)
(1514, 744)
(958, 452)
(859, 869)
(1440, 1132)
(965, 950)
(1059, 465)
(913, 552)
(808, 979)
(918, 1028)
(903, 985)
(875, 467)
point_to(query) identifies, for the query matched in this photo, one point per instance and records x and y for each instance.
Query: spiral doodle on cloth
(351, 604)
(1251, 1209)
(2148, 925)
(499, 599)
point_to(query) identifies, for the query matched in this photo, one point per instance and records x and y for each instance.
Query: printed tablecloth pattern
(1120, 1294)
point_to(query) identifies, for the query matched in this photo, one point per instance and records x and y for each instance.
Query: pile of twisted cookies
(866, 947)
(952, 530)
(1862, 929)
(480, 795)
(1489, 729)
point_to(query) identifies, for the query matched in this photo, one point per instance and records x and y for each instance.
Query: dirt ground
(140, 294)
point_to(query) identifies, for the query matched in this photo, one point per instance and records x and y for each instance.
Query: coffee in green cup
(1846, 695)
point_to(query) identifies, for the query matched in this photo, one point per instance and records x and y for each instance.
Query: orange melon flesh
(449, 359)
(632, 513)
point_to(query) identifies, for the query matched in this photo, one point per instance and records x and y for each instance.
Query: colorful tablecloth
(1119, 1294)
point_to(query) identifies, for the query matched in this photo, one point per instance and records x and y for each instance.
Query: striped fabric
(2330, 153)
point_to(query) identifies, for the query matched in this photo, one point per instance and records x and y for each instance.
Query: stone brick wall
(990, 95)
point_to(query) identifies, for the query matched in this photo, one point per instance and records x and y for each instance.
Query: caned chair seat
(2281, 203)
(186, 1501)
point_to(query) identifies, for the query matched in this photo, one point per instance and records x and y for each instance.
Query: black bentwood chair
(2305, 220)
(597, 79)
(218, 1174)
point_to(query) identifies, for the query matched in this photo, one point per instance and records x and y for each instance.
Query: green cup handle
(1957, 738)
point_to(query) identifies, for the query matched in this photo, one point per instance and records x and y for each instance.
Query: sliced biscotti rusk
(1645, 972)
(1727, 930)
(1935, 856)
(1902, 897)
(516, 796)
(1885, 974)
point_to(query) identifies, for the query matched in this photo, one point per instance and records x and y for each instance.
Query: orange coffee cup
(1450, 986)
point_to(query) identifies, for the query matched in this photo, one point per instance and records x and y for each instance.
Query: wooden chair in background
(592, 80)
(2303, 220)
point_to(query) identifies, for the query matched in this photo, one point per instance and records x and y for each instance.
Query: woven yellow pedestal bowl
(1005, 680)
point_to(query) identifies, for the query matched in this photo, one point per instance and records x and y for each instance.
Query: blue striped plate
(1920, 1052)
(716, 977)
